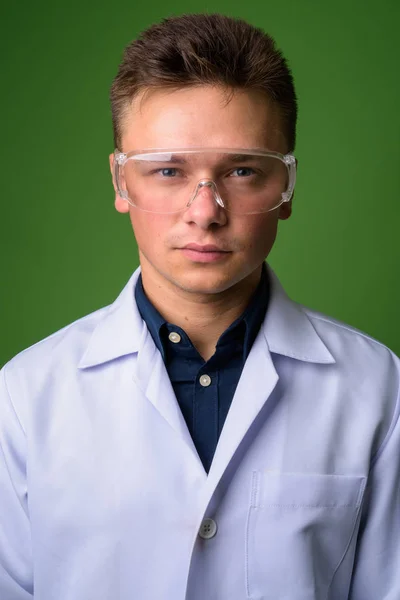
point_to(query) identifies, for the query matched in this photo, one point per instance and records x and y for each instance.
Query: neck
(204, 317)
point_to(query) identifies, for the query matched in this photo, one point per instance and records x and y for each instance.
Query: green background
(66, 251)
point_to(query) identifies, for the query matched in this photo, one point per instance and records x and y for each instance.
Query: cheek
(260, 232)
(149, 229)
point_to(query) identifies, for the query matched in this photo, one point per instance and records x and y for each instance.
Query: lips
(205, 248)
(207, 253)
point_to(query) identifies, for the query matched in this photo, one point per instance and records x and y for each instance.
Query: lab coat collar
(287, 328)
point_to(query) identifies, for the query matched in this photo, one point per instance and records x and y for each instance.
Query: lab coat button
(205, 380)
(174, 337)
(208, 529)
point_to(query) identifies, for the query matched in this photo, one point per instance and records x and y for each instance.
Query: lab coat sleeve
(16, 580)
(376, 574)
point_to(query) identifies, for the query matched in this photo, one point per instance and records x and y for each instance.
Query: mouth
(204, 248)
(204, 254)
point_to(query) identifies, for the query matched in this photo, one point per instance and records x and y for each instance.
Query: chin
(206, 283)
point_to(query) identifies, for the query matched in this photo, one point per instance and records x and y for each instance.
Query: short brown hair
(200, 49)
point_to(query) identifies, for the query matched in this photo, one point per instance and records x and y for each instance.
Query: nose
(205, 206)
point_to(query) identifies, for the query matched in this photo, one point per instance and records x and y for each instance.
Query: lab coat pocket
(299, 528)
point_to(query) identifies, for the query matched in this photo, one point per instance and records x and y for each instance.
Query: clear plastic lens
(168, 181)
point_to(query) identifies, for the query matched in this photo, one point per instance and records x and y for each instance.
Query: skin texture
(202, 298)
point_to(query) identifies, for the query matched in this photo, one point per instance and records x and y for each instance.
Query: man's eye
(167, 172)
(244, 171)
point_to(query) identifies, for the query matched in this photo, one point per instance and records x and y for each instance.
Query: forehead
(202, 116)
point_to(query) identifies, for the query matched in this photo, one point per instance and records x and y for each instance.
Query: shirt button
(205, 380)
(174, 337)
(208, 529)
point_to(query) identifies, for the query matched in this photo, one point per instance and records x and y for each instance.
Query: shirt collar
(251, 318)
(119, 328)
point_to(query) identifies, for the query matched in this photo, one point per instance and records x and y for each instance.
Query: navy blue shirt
(204, 389)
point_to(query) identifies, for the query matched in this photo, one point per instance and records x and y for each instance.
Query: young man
(204, 437)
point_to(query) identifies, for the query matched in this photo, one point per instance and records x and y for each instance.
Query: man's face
(199, 117)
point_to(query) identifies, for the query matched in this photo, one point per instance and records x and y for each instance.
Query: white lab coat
(102, 493)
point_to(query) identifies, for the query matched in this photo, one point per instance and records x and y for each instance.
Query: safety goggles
(242, 181)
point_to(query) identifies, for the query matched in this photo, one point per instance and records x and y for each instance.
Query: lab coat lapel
(151, 377)
(256, 384)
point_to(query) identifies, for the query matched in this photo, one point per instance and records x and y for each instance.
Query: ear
(285, 209)
(121, 205)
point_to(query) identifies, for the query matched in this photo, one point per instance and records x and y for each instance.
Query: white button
(208, 529)
(174, 337)
(205, 380)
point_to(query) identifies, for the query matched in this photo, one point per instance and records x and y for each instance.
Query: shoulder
(66, 344)
(107, 328)
(295, 330)
(47, 368)
(366, 374)
(336, 332)
(357, 354)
